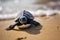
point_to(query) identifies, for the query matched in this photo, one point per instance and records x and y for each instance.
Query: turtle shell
(26, 14)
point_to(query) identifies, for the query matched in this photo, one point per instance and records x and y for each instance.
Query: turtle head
(23, 19)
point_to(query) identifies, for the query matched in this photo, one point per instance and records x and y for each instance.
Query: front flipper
(34, 23)
(11, 26)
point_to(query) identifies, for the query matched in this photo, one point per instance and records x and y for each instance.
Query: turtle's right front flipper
(11, 26)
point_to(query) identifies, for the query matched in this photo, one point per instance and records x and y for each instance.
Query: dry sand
(50, 30)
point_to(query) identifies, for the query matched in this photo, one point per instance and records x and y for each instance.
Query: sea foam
(34, 13)
(45, 12)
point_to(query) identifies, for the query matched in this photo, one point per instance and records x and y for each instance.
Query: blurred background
(11, 8)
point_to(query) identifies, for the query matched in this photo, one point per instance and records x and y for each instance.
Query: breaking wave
(12, 8)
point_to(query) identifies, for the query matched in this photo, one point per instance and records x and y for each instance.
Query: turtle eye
(23, 19)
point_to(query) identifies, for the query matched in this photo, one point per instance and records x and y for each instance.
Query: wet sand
(50, 30)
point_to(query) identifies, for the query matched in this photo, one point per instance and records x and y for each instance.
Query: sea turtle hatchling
(24, 19)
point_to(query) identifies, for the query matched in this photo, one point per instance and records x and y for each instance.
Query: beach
(49, 30)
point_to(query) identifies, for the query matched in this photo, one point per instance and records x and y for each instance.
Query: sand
(50, 30)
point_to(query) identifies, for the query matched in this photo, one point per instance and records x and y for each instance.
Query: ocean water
(12, 8)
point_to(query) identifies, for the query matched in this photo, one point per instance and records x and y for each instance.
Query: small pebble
(21, 38)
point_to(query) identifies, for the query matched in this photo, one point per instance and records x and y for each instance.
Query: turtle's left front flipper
(34, 23)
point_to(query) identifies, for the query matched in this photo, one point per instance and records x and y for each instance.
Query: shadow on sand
(33, 29)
